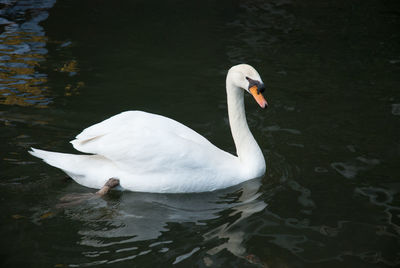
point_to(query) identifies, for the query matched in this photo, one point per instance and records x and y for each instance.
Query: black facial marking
(252, 83)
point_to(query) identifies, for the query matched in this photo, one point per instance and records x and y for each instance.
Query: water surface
(331, 195)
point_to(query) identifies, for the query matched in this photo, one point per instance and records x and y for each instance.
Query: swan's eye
(260, 86)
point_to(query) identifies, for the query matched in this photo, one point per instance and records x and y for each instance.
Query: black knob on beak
(261, 87)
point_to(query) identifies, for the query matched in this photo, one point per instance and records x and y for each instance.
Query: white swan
(152, 153)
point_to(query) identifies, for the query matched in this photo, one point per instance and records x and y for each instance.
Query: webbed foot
(70, 200)
(111, 183)
(74, 199)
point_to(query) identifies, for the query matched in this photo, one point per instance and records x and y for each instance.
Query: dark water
(331, 195)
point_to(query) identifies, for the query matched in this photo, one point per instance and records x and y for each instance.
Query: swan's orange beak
(258, 97)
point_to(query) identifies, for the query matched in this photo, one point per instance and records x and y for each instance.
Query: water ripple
(115, 233)
(258, 27)
(22, 49)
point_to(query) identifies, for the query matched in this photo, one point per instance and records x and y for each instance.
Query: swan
(151, 153)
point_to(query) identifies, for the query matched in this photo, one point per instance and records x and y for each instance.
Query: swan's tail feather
(66, 162)
(88, 170)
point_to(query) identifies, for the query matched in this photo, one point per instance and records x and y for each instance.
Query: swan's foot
(111, 183)
(70, 200)
(76, 197)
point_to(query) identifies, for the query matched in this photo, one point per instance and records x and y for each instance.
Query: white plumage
(152, 153)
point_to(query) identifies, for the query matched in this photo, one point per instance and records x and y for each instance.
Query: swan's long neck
(248, 151)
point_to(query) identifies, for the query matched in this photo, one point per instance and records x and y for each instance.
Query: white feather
(152, 153)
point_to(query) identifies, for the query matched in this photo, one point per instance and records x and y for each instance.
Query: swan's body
(152, 153)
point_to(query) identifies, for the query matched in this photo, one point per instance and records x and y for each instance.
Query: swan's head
(246, 77)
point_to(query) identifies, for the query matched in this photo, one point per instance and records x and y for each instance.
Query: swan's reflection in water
(115, 228)
(248, 203)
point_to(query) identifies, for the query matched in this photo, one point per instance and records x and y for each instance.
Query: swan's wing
(133, 121)
(144, 142)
